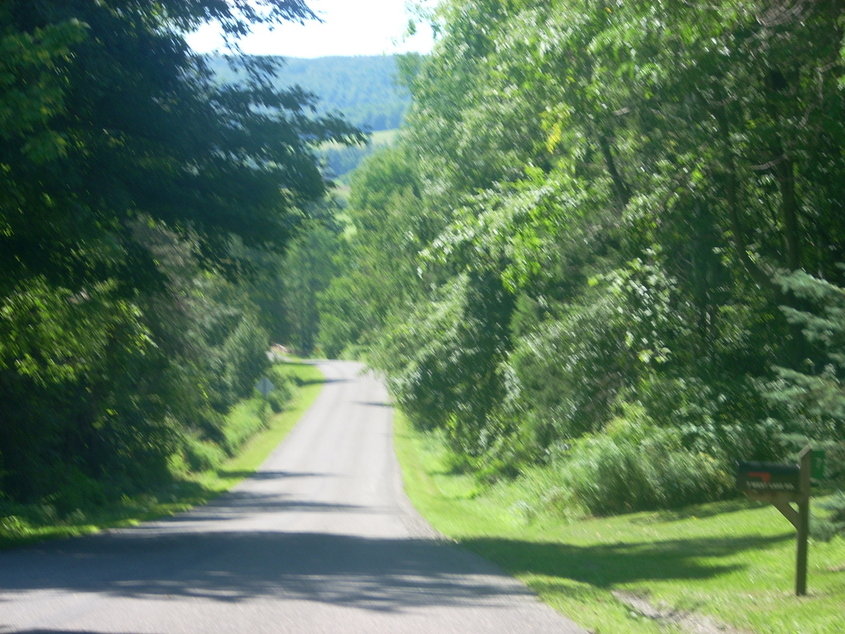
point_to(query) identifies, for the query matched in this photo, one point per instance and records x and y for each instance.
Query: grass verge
(30, 524)
(732, 561)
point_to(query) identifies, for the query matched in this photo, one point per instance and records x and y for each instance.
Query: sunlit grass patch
(733, 561)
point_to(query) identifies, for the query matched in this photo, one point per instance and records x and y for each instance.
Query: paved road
(321, 539)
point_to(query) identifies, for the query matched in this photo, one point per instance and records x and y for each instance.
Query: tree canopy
(615, 239)
(133, 130)
(136, 194)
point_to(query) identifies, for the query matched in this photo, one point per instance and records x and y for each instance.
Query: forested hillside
(364, 89)
(611, 243)
(367, 91)
(144, 210)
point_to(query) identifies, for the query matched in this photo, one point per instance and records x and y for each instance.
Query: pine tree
(814, 394)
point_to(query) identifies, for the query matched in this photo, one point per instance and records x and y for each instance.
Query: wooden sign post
(781, 485)
(803, 527)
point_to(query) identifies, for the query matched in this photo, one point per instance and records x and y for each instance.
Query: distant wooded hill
(364, 89)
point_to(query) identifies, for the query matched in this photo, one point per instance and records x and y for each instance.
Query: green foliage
(309, 267)
(202, 455)
(283, 388)
(834, 524)
(811, 397)
(244, 352)
(634, 466)
(443, 368)
(79, 491)
(50, 334)
(387, 229)
(144, 139)
(595, 209)
(33, 92)
(139, 201)
(816, 392)
(719, 416)
(243, 421)
(569, 374)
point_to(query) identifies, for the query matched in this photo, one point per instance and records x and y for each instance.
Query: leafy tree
(309, 267)
(132, 188)
(142, 134)
(387, 230)
(605, 199)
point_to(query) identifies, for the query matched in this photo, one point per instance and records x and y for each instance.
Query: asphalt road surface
(320, 539)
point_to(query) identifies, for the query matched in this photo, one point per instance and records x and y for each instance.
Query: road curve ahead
(320, 539)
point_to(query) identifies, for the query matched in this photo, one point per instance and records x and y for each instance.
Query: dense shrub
(283, 386)
(724, 416)
(444, 367)
(635, 466)
(202, 455)
(78, 491)
(245, 355)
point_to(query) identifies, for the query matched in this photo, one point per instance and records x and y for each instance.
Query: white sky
(349, 27)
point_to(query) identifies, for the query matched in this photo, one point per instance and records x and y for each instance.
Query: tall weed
(635, 466)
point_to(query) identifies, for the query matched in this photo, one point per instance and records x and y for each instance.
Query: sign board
(265, 386)
(768, 477)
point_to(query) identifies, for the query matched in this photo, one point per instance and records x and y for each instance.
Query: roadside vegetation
(608, 246)
(147, 219)
(697, 568)
(604, 261)
(253, 428)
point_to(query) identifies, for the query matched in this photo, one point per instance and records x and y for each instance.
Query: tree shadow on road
(368, 573)
(374, 404)
(266, 475)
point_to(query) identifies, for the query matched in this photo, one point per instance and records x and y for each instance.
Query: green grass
(27, 524)
(733, 561)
